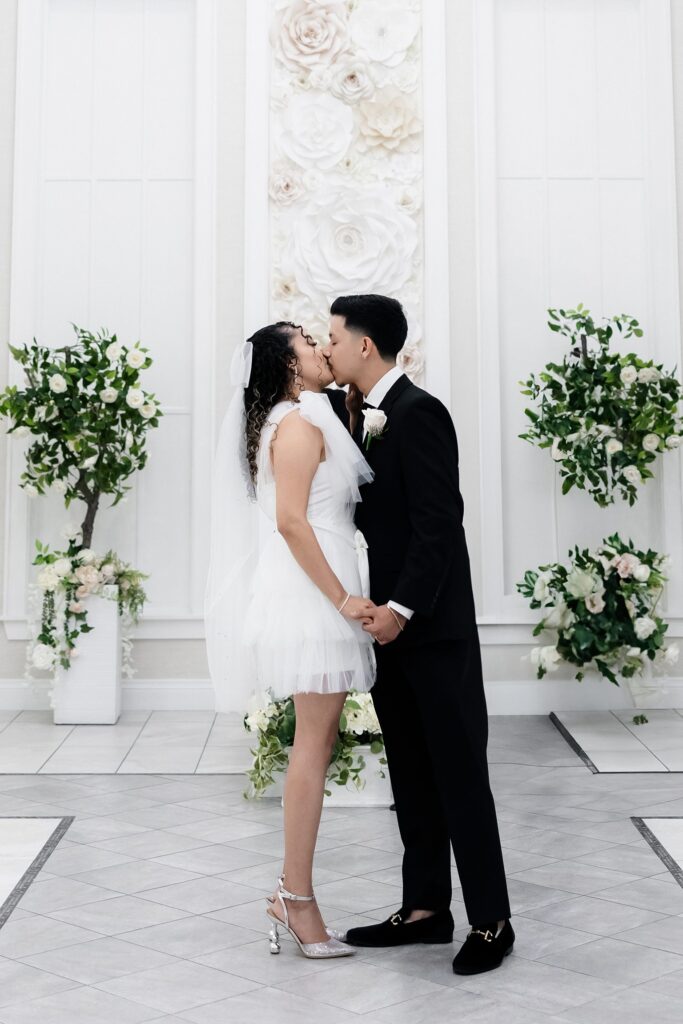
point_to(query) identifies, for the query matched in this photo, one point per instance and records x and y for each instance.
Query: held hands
(359, 608)
(383, 623)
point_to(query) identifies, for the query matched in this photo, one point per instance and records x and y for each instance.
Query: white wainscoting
(113, 227)
(576, 204)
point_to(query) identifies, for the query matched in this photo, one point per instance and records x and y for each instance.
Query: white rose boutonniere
(375, 422)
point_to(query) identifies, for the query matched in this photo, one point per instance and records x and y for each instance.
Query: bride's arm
(296, 457)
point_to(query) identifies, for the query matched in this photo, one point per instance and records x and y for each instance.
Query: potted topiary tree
(87, 417)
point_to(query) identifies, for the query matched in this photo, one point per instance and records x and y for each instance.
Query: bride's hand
(357, 608)
(354, 400)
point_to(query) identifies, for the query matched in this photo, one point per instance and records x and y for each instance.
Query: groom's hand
(382, 625)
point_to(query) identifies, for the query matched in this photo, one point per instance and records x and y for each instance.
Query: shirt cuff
(405, 612)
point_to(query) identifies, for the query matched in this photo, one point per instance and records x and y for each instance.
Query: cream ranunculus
(135, 358)
(632, 474)
(148, 410)
(644, 627)
(306, 33)
(62, 566)
(48, 578)
(613, 446)
(285, 185)
(581, 583)
(352, 82)
(673, 441)
(135, 398)
(389, 119)
(651, 442)
(628, 374)
(383, 31)
(647, 374)
(641, 573)
(57, 383)
(345, 242)
(108, 395)
(315, 129)
(113, 352)
(411, 361)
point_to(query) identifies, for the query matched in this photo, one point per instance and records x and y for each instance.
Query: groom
(429, 692)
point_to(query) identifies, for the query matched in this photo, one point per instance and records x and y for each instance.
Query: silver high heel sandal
(315, 950)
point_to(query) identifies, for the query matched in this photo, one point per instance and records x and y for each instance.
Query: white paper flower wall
(346, 159)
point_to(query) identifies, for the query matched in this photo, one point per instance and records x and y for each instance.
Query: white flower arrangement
(274, 723)
(375, 422)
(346, 165)
(604, 416)
(602, 610)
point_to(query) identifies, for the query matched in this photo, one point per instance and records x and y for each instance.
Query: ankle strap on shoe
(290, 895)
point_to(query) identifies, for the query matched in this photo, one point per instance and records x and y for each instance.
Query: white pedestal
(89, 692)
(375, 793)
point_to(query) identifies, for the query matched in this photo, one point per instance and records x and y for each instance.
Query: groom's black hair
(378, 316)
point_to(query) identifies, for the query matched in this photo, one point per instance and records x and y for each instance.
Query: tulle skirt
(300, 642)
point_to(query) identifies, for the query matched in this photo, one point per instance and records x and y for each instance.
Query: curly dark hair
(275, 372)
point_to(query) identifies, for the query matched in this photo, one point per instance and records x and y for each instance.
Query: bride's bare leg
(317, 724)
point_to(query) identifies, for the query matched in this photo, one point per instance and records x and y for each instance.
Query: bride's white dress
(300, 642)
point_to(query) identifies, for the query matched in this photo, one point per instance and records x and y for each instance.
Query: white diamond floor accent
(608, 741)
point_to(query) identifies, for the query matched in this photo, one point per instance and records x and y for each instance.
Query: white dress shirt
(375, 398)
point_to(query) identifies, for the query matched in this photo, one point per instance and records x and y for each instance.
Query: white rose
(48, 579)
(306, 33)
(43, 656)
(541, 590)
(135, 358)
(86, 556)
(546, 657)
(62, 566)
(57, 383)
(345, 242)
(651, 442)
(148, 410)
(59, 486)
(644, 627)
(316, 129)
(384, 32)
(31, 490)
(647, 374)
(556, 615)
(285, 187)
(113, 352)
(581, 583)
(21, 431)
(135, 398)
(673, 441)
(375, 421)
(352, 82)
(632, 474)
(642, 573)
(411, 361)
(555, 451)
(108, 395)
(389, 119)
(594, 603)
(628, 374)
(613, 446)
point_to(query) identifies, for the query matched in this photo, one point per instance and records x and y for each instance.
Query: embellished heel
(274, 939)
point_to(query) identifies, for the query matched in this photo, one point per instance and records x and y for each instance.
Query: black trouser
(432, 710)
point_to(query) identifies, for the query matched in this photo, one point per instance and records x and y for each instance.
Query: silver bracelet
(398, 621)
(343, 604)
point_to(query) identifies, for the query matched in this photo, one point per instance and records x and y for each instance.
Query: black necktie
(366, 405)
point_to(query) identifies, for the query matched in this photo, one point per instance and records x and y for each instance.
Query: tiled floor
(151, 909)
(609, 741)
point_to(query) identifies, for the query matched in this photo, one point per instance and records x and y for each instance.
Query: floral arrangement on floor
(346, 164)
(602, 608)
(87, 416)
(274, 724)
(604, 416)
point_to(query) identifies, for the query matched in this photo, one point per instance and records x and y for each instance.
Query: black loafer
(395, 932)
(483, 950)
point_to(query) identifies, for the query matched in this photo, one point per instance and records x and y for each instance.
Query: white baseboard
(504, 697)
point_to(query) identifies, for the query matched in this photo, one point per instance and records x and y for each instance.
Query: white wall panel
(576, 193)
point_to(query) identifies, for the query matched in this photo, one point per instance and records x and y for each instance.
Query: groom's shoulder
(419, 401)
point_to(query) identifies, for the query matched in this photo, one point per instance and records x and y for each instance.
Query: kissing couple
(359, 580)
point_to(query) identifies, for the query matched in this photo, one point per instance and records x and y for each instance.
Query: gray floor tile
(263, 1005)
(191, 936)
(17, 980)
(77, 1006)
(124, 914)
(20, 937)
(136, 876)
(201, 895)
(590, 914)
(99, 960)
(613, 960)
(177, 987)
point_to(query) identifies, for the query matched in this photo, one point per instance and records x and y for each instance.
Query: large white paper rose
(346, 242)
(315, 129)
(384, 30)
(411, 361)
(352, 82)
(305, 33)
(389, 119)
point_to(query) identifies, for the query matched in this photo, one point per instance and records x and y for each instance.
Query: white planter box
(89, 692)
(376, 792)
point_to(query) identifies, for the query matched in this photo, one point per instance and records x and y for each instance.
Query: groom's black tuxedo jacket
(412, 516)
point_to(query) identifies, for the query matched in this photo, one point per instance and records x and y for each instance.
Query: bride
(287, 594)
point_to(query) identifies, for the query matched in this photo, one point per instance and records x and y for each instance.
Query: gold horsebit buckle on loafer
(396, 919)
(488, 935)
